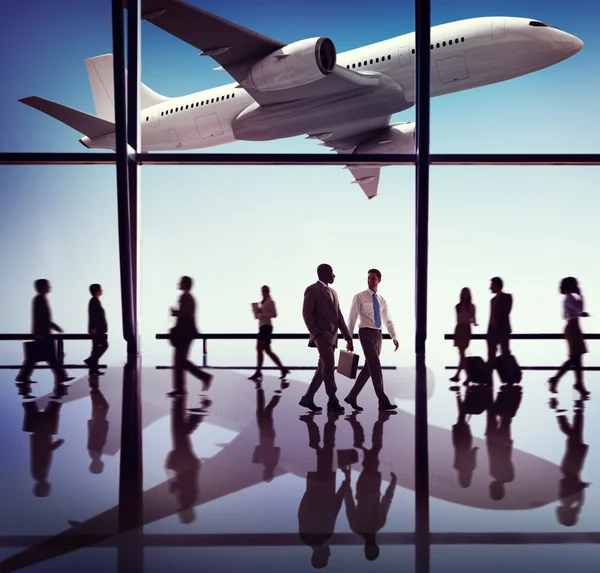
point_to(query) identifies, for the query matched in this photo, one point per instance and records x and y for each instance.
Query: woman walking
(572, 310)
(265, 312)
(465, 316)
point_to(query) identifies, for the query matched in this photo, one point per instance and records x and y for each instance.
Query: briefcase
(38, 350)
(347, 364)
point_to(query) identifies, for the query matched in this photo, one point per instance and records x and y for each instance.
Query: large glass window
(513, 86)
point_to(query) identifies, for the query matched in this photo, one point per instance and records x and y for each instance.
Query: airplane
(231, 469)
(345, 100)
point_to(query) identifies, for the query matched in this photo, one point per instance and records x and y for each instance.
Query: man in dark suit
(42, 327)
(499, 329)
(323, 318)
(182, 336)
(98, 328)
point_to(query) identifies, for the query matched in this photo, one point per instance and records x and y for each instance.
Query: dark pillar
(423, 71)
(423, 40)
(134, 147)
(124, 219)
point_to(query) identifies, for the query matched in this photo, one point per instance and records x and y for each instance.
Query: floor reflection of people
(182, 461)
(321, 503)
(368, 516)
(465, 455)
(97, 428)
(498, 439)
(42, 425)
(570, 487)
(266, 452)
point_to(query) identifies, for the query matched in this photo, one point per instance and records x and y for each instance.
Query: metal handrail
(537, 336)
(252, 336)
(60, 347)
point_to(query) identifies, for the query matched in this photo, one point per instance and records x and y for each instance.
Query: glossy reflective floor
(240, 478)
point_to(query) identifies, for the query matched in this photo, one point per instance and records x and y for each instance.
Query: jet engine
(293, 65)
(398, 138)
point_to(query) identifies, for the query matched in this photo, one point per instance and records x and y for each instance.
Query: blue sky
(236, 228)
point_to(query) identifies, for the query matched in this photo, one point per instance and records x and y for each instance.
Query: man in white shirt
(372, 310)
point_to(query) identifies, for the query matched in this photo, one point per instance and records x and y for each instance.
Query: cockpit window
(539, 24)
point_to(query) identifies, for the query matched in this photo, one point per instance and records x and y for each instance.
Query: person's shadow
(97, 427)
(42, 425)
(321, 503)
(571, 489)
(465, 455)
(369, 514)
(498, 438)
(266, 452)
(184, 483)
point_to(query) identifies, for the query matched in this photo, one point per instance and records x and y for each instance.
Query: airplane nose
(569, 44)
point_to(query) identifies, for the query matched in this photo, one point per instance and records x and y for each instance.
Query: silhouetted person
(465, 316)
(182, 336)
(321, 503)
(182, 460)
(571, 488)
(322, 316)
(465, 455)
(42, 327)
(372, 309)
(97, 429)
(265, 312)
(98, 328)
(498, 438)
(42, 425)
(266, 452)
(572, 310)
(499, 329)
(368, 516)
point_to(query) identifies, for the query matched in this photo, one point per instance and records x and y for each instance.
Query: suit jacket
(322, 316)
(42, 324)
(500, 307)
(96, 316)
(186, 317)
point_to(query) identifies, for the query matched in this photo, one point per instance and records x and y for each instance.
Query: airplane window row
(206, 102)
(376, 61)
(366, 62)
(443, 44)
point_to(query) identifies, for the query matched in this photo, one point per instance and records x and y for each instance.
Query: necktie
(330, 294)
(376, 310)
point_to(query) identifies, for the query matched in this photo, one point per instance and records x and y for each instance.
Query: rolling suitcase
(508, 369)
(478, 371)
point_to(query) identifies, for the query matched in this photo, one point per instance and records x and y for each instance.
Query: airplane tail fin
(100, 73)
(85, 123)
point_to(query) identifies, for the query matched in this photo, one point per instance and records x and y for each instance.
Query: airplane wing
(345, 138)
(236, 49)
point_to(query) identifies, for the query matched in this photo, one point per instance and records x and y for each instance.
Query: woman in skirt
(465, 316)
(572, 310)
(265, 312)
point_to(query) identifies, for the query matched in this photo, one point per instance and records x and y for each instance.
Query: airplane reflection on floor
(516, 480)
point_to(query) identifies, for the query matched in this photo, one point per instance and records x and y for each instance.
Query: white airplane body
(345, 100)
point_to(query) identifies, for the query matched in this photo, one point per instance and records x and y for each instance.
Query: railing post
(204, 352)
(60, 351)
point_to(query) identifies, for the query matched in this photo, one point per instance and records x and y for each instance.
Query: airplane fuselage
(464, 55)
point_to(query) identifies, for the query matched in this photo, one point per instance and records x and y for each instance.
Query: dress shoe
(353, 404)
(310, 405)
(335, 408)
(386, 407)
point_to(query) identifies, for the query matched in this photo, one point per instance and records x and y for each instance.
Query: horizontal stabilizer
(85, 123)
